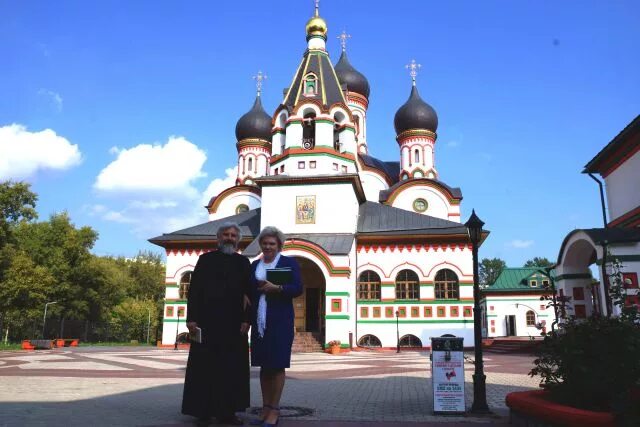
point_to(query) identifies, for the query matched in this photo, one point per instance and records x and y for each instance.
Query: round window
(420, 205)
(242, 208)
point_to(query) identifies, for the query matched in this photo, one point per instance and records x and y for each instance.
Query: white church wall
(279, 208)
(498, 308)
(228, 206)
(427, 316)
(439, 206)
(178, 263)
(372, 183)
(622, 193)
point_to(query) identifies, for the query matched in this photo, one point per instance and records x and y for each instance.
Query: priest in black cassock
(217, 379)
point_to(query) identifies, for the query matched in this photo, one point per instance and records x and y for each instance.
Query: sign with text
(447, 375)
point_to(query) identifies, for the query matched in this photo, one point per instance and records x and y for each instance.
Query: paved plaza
(135, 386)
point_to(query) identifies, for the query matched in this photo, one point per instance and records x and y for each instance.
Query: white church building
(381, 245)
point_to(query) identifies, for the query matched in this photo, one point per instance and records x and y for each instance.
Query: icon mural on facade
(305, 209)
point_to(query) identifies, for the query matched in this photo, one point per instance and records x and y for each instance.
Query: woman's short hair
(227, 225)
(271, 231)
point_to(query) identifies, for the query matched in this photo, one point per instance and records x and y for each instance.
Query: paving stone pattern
(143, 387)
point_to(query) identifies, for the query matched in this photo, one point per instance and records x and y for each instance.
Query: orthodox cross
(413, 67)
(259, 78)
(317, 3)
(343, 39)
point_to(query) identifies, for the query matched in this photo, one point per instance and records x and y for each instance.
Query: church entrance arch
(310, 306)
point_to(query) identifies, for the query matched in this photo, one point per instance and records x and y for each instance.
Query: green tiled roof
(516, 280)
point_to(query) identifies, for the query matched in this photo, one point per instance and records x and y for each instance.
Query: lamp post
(175, 347)
(44, 318)
(148, 324)
(474, 228)
(398, 331)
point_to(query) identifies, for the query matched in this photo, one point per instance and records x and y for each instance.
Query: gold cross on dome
(317, 6)
(259, 78)
(413, 67)
(343, 39)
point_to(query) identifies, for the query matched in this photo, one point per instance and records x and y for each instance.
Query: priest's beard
(228, 248)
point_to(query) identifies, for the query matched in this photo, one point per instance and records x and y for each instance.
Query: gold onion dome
(316, 26)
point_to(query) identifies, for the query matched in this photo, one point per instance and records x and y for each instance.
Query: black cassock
(217, 378)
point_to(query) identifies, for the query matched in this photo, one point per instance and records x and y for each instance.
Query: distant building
(374, 238)
(619, 165)
(512, 304)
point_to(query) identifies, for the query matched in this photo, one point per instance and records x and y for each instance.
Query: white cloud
(156, 214)
(22, 153)
(520, 244)
(168, 168)
(219, 184)
(54, 97)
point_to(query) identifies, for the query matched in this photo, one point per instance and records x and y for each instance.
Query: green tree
(131, 318)
(147, 274)
(540, 262)
(23, 293)
(63, 250)
(490, 269)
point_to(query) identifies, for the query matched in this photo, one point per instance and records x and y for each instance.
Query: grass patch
(10, 346)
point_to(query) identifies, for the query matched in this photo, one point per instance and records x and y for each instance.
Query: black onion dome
(355, 80)
(415, 114)
(256, 123)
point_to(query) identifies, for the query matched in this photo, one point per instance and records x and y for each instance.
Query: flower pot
(334, 349)
(535, 407)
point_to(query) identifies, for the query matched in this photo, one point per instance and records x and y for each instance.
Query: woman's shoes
(260, 421)
(266, 424)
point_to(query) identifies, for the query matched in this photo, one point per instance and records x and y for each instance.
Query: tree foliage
(489, 270)
(52, 261)
(540, 262)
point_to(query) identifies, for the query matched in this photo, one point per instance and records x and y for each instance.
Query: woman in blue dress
(272, 328)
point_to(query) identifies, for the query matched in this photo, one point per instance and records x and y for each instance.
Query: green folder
(280, 276)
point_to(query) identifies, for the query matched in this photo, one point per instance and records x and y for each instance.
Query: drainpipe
(604, 212)
(605, 280)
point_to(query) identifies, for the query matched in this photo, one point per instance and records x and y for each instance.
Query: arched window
(369, 286)
(309, 131)
(447, 285)
(242, 207)
(410, 341)
(250, 164)
(310, 85)
(369, 341)
(407, 285)
(531, 318)
(185, 281)
(417, 156)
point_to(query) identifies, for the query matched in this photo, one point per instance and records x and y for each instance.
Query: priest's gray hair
(227, 225)
(271, 231)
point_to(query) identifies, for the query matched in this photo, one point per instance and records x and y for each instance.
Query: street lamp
(175, 347)
(148, 324)
(474, 228)
(398, 331)
(44, 318)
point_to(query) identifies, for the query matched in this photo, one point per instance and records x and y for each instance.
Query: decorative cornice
(319, 253)
(412, 247)
(416, 133)
(214, 203)
(253, 142)
(630, 219)
(296, 151)
(358, 99)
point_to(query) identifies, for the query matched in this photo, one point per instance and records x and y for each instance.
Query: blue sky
(123, 113)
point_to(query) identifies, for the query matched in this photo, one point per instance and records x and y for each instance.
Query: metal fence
(16, 330)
